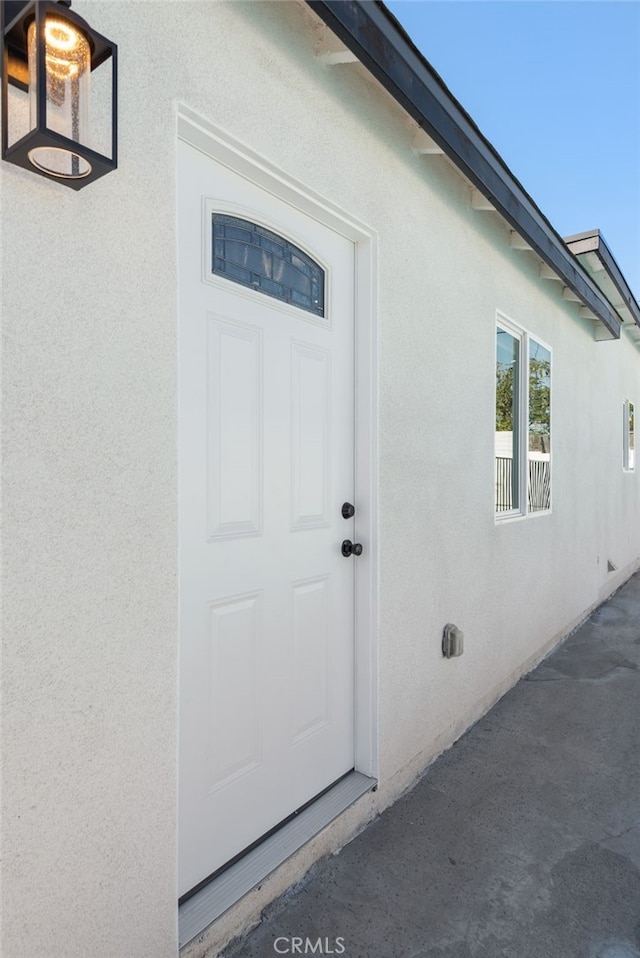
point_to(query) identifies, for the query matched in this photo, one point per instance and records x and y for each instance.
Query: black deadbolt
(348, 511)
(350, 548)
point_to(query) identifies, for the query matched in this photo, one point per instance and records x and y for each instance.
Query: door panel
(310, 435)
(234, 419)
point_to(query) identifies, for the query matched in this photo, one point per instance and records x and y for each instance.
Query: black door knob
(350, 548)
(348, 511)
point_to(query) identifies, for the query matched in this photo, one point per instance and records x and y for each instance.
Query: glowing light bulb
(68, 68)
(62, 36)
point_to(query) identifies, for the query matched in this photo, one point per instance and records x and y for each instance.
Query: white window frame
(524, 337)
(628, 451)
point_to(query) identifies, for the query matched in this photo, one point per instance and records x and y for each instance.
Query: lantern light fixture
(59, 93)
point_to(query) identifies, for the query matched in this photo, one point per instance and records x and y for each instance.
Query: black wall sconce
(53, 64)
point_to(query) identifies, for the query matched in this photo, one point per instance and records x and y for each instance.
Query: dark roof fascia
(371, 32)
(594, 242)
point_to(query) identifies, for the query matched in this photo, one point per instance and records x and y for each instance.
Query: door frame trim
(200, 133)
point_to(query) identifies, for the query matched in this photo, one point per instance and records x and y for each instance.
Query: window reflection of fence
(539, 485)
(504, 484)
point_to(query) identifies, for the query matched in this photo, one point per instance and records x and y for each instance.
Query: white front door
(266, 461)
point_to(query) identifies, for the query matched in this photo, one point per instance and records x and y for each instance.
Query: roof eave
(594, 242)
(370, 31)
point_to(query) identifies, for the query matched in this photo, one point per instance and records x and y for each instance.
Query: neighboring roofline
(374, 35)
(591, 240)
(594, 242)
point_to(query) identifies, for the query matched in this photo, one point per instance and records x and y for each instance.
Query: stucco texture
(89, 671)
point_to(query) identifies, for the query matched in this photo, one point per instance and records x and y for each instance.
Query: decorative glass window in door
(255, 257)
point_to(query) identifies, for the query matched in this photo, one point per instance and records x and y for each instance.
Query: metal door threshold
(224, 891)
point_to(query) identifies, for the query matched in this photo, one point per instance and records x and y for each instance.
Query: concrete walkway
(521, 841)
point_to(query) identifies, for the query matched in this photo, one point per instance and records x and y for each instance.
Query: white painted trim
(366, 484)
(336, 57)
(425, 146)
(198, 132)
(480, 202)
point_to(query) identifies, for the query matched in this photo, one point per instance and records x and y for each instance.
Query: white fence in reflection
(538, 486)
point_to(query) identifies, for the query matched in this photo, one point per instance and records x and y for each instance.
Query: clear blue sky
(554, 85)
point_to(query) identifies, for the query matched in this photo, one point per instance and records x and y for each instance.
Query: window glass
(523, 424)
(539, 443)
(507, 418)
(629, 437)
(255, 257)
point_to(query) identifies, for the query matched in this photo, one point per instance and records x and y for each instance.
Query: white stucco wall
(90, 537)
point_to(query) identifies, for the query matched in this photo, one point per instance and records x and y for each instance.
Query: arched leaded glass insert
(255, 257)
